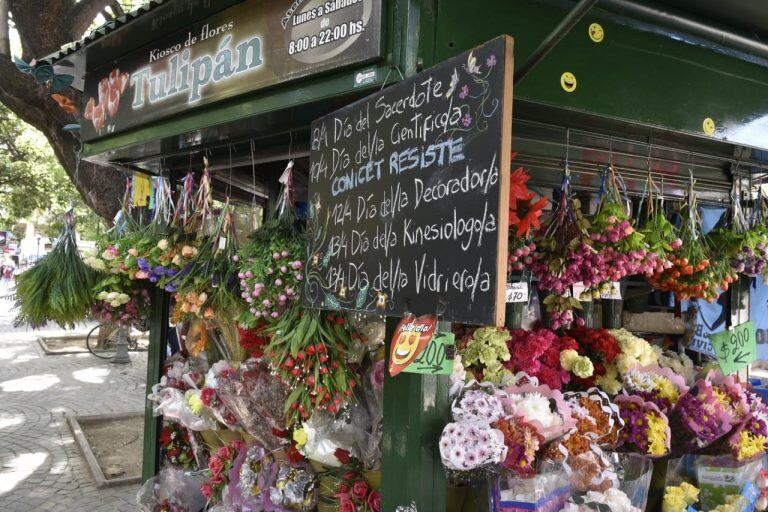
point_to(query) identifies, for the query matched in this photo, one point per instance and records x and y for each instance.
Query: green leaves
(59, 288)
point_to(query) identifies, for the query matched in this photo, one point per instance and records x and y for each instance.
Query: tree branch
(87, 10)
(5, 42)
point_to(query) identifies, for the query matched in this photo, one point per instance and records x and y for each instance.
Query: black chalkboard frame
(371, 300)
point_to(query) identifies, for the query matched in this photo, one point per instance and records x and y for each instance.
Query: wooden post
(158, 343)
(415, 412)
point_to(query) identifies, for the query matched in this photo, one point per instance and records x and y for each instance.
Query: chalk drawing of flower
(490, 61)
(466, 120)
(464, 91)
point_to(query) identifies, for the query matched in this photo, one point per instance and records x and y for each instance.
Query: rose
(342, 455)
(360, 489)
(207, 491)
(377, 375)
(343, 487)
(166, 436)
(225, 452)
(346, 504)
(349, 475)
(216, 465)
(374, 501)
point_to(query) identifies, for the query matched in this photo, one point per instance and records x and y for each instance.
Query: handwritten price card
(437, 358)
(735, 348)
(409, 191)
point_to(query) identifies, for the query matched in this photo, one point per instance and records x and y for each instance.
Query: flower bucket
(634, 472)
(514, 316)
(454, 498)
(587, 313)
(546, 492)
(612, 311)
(721, 476)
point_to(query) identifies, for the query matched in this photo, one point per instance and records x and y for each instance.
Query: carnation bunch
(602, 349)
(485, 353)
(679, 498)
(538, 354)
(635, 351)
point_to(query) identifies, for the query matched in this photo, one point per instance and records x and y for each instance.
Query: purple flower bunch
(156, 274)
(698, 419)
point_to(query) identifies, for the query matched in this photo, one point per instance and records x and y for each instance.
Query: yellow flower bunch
(750, 445)
(657, 435)
(609, 382)
(679, 498)
(733, 503)
(666, 389)
(581, 366)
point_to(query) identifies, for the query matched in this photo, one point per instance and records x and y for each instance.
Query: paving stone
(40, 466)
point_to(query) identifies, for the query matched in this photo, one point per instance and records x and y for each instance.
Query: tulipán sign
(244, 48)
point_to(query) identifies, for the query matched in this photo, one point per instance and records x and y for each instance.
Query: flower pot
(612, 310)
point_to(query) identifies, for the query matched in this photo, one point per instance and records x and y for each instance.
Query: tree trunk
(42, 28)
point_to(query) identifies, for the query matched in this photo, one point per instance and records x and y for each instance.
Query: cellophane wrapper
(171, 403)
(263, 483)
(172, 488)
(634, 472)
(350, 431)
(546, 491)
(256, 398)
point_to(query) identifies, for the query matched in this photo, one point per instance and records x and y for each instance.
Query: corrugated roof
(101, 31)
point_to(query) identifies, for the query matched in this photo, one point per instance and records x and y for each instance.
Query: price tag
(578, 289)
(437, 358)
(735, 348)
(517, 292)
(614, 293)
(222, 243)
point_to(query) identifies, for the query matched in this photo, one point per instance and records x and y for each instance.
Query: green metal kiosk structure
(675, 86)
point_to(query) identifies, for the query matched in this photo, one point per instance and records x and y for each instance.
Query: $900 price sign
(409, 194)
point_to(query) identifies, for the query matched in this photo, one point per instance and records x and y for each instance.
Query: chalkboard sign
(409, 194)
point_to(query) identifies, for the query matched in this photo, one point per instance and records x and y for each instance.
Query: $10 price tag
(517, 292)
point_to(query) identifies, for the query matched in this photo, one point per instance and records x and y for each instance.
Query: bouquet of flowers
(523, 442)
(176, 446)
(524, 215)
(219, 376)
(693, 273)
(540, 406)
(635, 351)
(680, 364)
(699, 418)
(539, 354)
(646, 429)
(602, 349)
(119, 301)
(485, 353)
(730, 394)
(254, 340)
(469, 447)
(612, 499)
(355, 495)
(177, 398)
(256, 399)
(308, 352)
(655, 384)
(598, 421)
(219, 471)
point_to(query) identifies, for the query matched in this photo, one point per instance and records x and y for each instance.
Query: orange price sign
(411, 337)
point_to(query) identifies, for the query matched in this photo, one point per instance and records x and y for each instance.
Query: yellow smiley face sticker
(596, 33)
(708, 126)
(405, 347)
(568, 81)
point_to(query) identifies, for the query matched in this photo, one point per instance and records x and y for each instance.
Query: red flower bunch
(537, 353)
(211, 400)
(597, 344)
(355, 495)
(219, 465)
(254, 340)
(176, 447)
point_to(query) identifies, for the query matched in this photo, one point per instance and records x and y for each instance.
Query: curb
(85, 449)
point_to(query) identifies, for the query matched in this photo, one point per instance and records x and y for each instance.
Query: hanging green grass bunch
(59, 287)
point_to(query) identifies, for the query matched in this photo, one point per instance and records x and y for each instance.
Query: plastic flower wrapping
(261, 481)
(172, 490)
(256, 399)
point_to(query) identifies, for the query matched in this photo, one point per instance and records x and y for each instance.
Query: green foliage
(33, 185)
(59, 288)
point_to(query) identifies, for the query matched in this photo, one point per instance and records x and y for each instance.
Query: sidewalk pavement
(40, 466)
